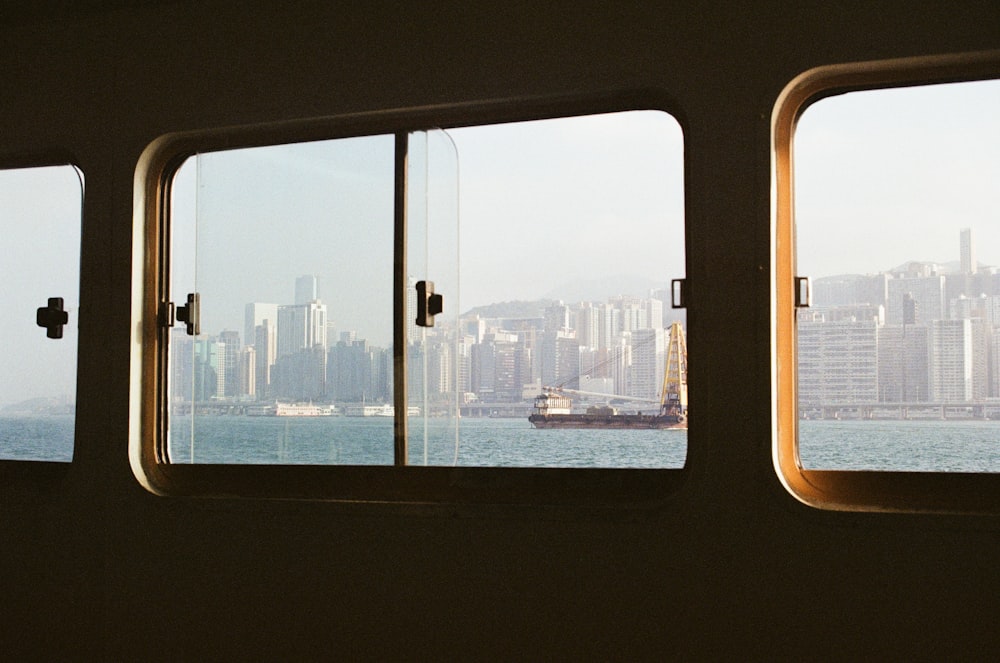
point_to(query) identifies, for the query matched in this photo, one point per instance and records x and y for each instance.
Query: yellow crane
(674, 398)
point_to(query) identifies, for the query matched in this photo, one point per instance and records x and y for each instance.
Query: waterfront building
(837, 360)
(951, 360)
(903, 373)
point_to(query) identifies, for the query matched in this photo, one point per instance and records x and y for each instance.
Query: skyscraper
(967, 251)
(306, 289)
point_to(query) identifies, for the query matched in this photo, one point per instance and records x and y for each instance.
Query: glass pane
(290, 250)
(432, 257)
(571, 229)
(896, 203)
(40, 213)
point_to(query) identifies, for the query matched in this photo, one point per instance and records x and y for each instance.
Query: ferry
(385, 410)
(290, 410)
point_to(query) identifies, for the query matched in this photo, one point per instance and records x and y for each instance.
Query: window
(40, 210)
(552, 243)
(892, 203)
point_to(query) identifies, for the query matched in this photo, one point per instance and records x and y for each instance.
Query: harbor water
(924, 446)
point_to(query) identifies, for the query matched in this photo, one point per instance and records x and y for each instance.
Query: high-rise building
(967, 251)
(902, 363)
(951, 360)
(255, 314)
(266, 353)
(837, 361)
(306, 289)
(231, 363)
(300, 327)
(648, 363)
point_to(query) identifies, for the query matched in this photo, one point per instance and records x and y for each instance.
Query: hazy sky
(881, 177)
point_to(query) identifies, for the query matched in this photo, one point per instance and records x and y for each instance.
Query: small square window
(41, 212)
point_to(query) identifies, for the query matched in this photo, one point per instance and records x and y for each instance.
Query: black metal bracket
(678, 293)
(52, 317)
(190, 314)
(803, 292)
(428, 304)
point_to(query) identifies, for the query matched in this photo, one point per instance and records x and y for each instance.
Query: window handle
(428, 304)
(52, 317)
(190, 314)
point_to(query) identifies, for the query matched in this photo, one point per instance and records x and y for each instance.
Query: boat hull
(603, 421)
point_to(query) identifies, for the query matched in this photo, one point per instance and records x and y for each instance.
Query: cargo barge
(553, 411)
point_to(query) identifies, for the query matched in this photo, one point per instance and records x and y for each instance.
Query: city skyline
(882, 177)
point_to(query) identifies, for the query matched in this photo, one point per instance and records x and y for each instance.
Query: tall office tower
(648, 364)
(266, 351)
(300, 327)
(306, 289)
(230, 360)
(248, 371)
(254, 315)
(968, 252)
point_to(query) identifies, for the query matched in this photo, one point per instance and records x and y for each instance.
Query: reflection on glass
(40, 214)
(290, 249)
(896, 206)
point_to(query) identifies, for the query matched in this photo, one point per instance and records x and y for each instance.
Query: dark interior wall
(731, 565)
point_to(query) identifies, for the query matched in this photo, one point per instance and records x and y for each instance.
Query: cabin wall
(730, 565)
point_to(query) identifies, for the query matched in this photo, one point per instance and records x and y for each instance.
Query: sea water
(926, 446)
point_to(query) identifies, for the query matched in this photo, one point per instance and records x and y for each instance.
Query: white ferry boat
(290, 410)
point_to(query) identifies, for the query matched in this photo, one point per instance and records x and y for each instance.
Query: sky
(508, 212)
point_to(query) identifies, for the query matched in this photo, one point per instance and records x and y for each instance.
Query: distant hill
(512, 309)
(598, 290)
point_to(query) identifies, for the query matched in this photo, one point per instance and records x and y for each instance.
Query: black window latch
(428, 304)
(52, 317)
(190, 314)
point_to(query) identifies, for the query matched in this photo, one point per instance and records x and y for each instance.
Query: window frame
(15, 468)
(851, 490)
(589, 487)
